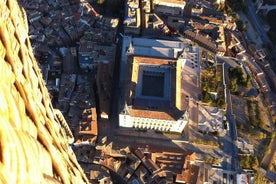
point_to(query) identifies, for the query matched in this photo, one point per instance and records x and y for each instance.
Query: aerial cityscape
(162, 91)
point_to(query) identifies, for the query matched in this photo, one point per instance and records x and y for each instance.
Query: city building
(169, 7)
(87, 130)
(202, 40)
(226, 21)
(155, 48)
(153, 95)
(176, 23)
(86, 55)
(234, 46)
(132, 21)
(209, 36)
(154, 25)
(196, 10)
(153, 89)
(172, 67)
(174, 167)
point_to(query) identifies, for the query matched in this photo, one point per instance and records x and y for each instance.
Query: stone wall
(34, 137)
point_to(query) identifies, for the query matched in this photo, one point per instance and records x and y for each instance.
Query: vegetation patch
(260, 178)
(254, 114)
(272, 166)
(212, 86)
(237, 79)
(212, 160)
(248, 161)
(173, 133)
(230, 6)
(207, 142)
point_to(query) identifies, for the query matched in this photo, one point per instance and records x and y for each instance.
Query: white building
(153, 95)
(153, 86)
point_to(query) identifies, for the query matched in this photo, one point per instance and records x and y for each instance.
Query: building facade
(170, 7)
(153, 86)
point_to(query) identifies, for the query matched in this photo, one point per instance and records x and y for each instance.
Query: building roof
(201, 39)
(145, 42)
(151, 60)
(151, 106)
(176, 2)
(144, 113)
(91, 120)
(189, 175)
(156, 48)
(173, 161)
(154, 52)
(133, 3)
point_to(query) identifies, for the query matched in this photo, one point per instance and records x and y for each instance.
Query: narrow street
(229, 142)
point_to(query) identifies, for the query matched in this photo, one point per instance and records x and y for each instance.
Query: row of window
(153, 128)
(148, 120)
(153, 124)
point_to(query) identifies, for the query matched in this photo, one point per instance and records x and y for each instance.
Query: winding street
(254, 19)
(260, 28)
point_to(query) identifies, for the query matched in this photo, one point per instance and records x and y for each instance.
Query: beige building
(226, 21)
(169, 7)
(176, 23)
(132, 23)
(196, 10)
(153, 95)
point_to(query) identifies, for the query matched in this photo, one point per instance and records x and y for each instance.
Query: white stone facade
(125, 120)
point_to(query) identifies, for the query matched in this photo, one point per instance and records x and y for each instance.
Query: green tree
(260, 178)
(245, 161)
(206, 97)
(233, 85)
(205, 86)
(238, 74)
(254, 162)
(236, 16)
(240, 25)
(228, 10)
(220, 101)
(100, 2)
(219, 7)
(248, 81)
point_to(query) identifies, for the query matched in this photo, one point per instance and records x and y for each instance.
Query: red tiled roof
(189, 176)
(151, 114)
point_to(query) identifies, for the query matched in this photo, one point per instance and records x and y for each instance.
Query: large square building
(153, 97)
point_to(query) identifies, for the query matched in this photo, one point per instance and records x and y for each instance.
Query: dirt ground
(240, 109)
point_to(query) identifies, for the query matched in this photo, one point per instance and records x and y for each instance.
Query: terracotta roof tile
(151, 114)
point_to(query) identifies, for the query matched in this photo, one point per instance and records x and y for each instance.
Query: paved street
(230, 147)
(259, 28)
